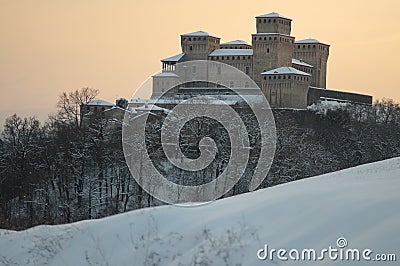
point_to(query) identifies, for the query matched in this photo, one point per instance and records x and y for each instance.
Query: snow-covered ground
(361, 204)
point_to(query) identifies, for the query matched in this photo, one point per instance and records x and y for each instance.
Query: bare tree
(70, 103)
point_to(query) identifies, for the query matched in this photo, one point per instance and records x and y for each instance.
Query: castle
(290, 73)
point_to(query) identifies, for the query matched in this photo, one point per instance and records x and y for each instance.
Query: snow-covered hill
(361, 204)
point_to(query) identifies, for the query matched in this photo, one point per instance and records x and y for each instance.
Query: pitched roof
(300, 62)
(225, 52)
(285, 71)
(309, 41)
(237, 42)
(272, 15)
(100, 102)
(166, 74)
(174, 58)
(196, 33)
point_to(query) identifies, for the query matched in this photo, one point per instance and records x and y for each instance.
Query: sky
(52, 46)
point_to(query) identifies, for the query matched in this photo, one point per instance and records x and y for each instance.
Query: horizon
(56, 46)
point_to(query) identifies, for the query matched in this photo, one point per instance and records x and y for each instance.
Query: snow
(307, 41)
(149, 107)
(99, 103)
(301, 62)
(272, 15)
(271, 33)
(236, 42)
(360, 204)
(225, 52)
(324, 106)
(196, 33)
(174, 58)
(166, 74)
(285, 71)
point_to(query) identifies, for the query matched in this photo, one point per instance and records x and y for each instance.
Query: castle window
(314, 46)
(279, 77)
(190, 39)
(304, 47)
(244, 58)
(289, 77)
(265, 38)
(191, 48)
(268, 50)
(269, 20)
(274, 77)
(265, 21)
(275, 38)
(270, 38)
(270, 77)
(249, 57)
(259, 21)
(309, 46)
(274, 20)
(194, 38)
(260, 38)
(265, 78)
(247, 70)
(284, 77)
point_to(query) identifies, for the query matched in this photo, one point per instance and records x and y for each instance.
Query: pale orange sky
(51, 46)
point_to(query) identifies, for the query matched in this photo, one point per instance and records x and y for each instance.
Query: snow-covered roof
(174, 58)
(308, 41)
(272, 33)
(149, 107)
(166, 74)
(99, 102)
(237, 42)
(272, 15)
(225, 52)
(285, 71)
(300, 62)
(196, 33)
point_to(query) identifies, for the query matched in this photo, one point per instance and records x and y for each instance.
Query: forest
(72, 168)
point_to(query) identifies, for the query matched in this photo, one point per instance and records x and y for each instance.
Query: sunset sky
(51, 46)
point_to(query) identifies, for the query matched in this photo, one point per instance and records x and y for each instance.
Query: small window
(194, 69)
(191, 48)
(247, 70)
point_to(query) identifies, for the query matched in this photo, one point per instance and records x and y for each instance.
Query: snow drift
(359, 204)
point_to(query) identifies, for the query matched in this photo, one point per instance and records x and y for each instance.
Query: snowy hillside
(360, 204)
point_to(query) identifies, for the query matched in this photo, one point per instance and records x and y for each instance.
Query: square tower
(315, 53)
(273, 23)
(198, 45)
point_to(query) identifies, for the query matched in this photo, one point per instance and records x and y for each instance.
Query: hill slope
(360, 204)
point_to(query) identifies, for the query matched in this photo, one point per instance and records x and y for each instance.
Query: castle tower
(272, 44)
(198, 45)
(315, 53)
(286, 86)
